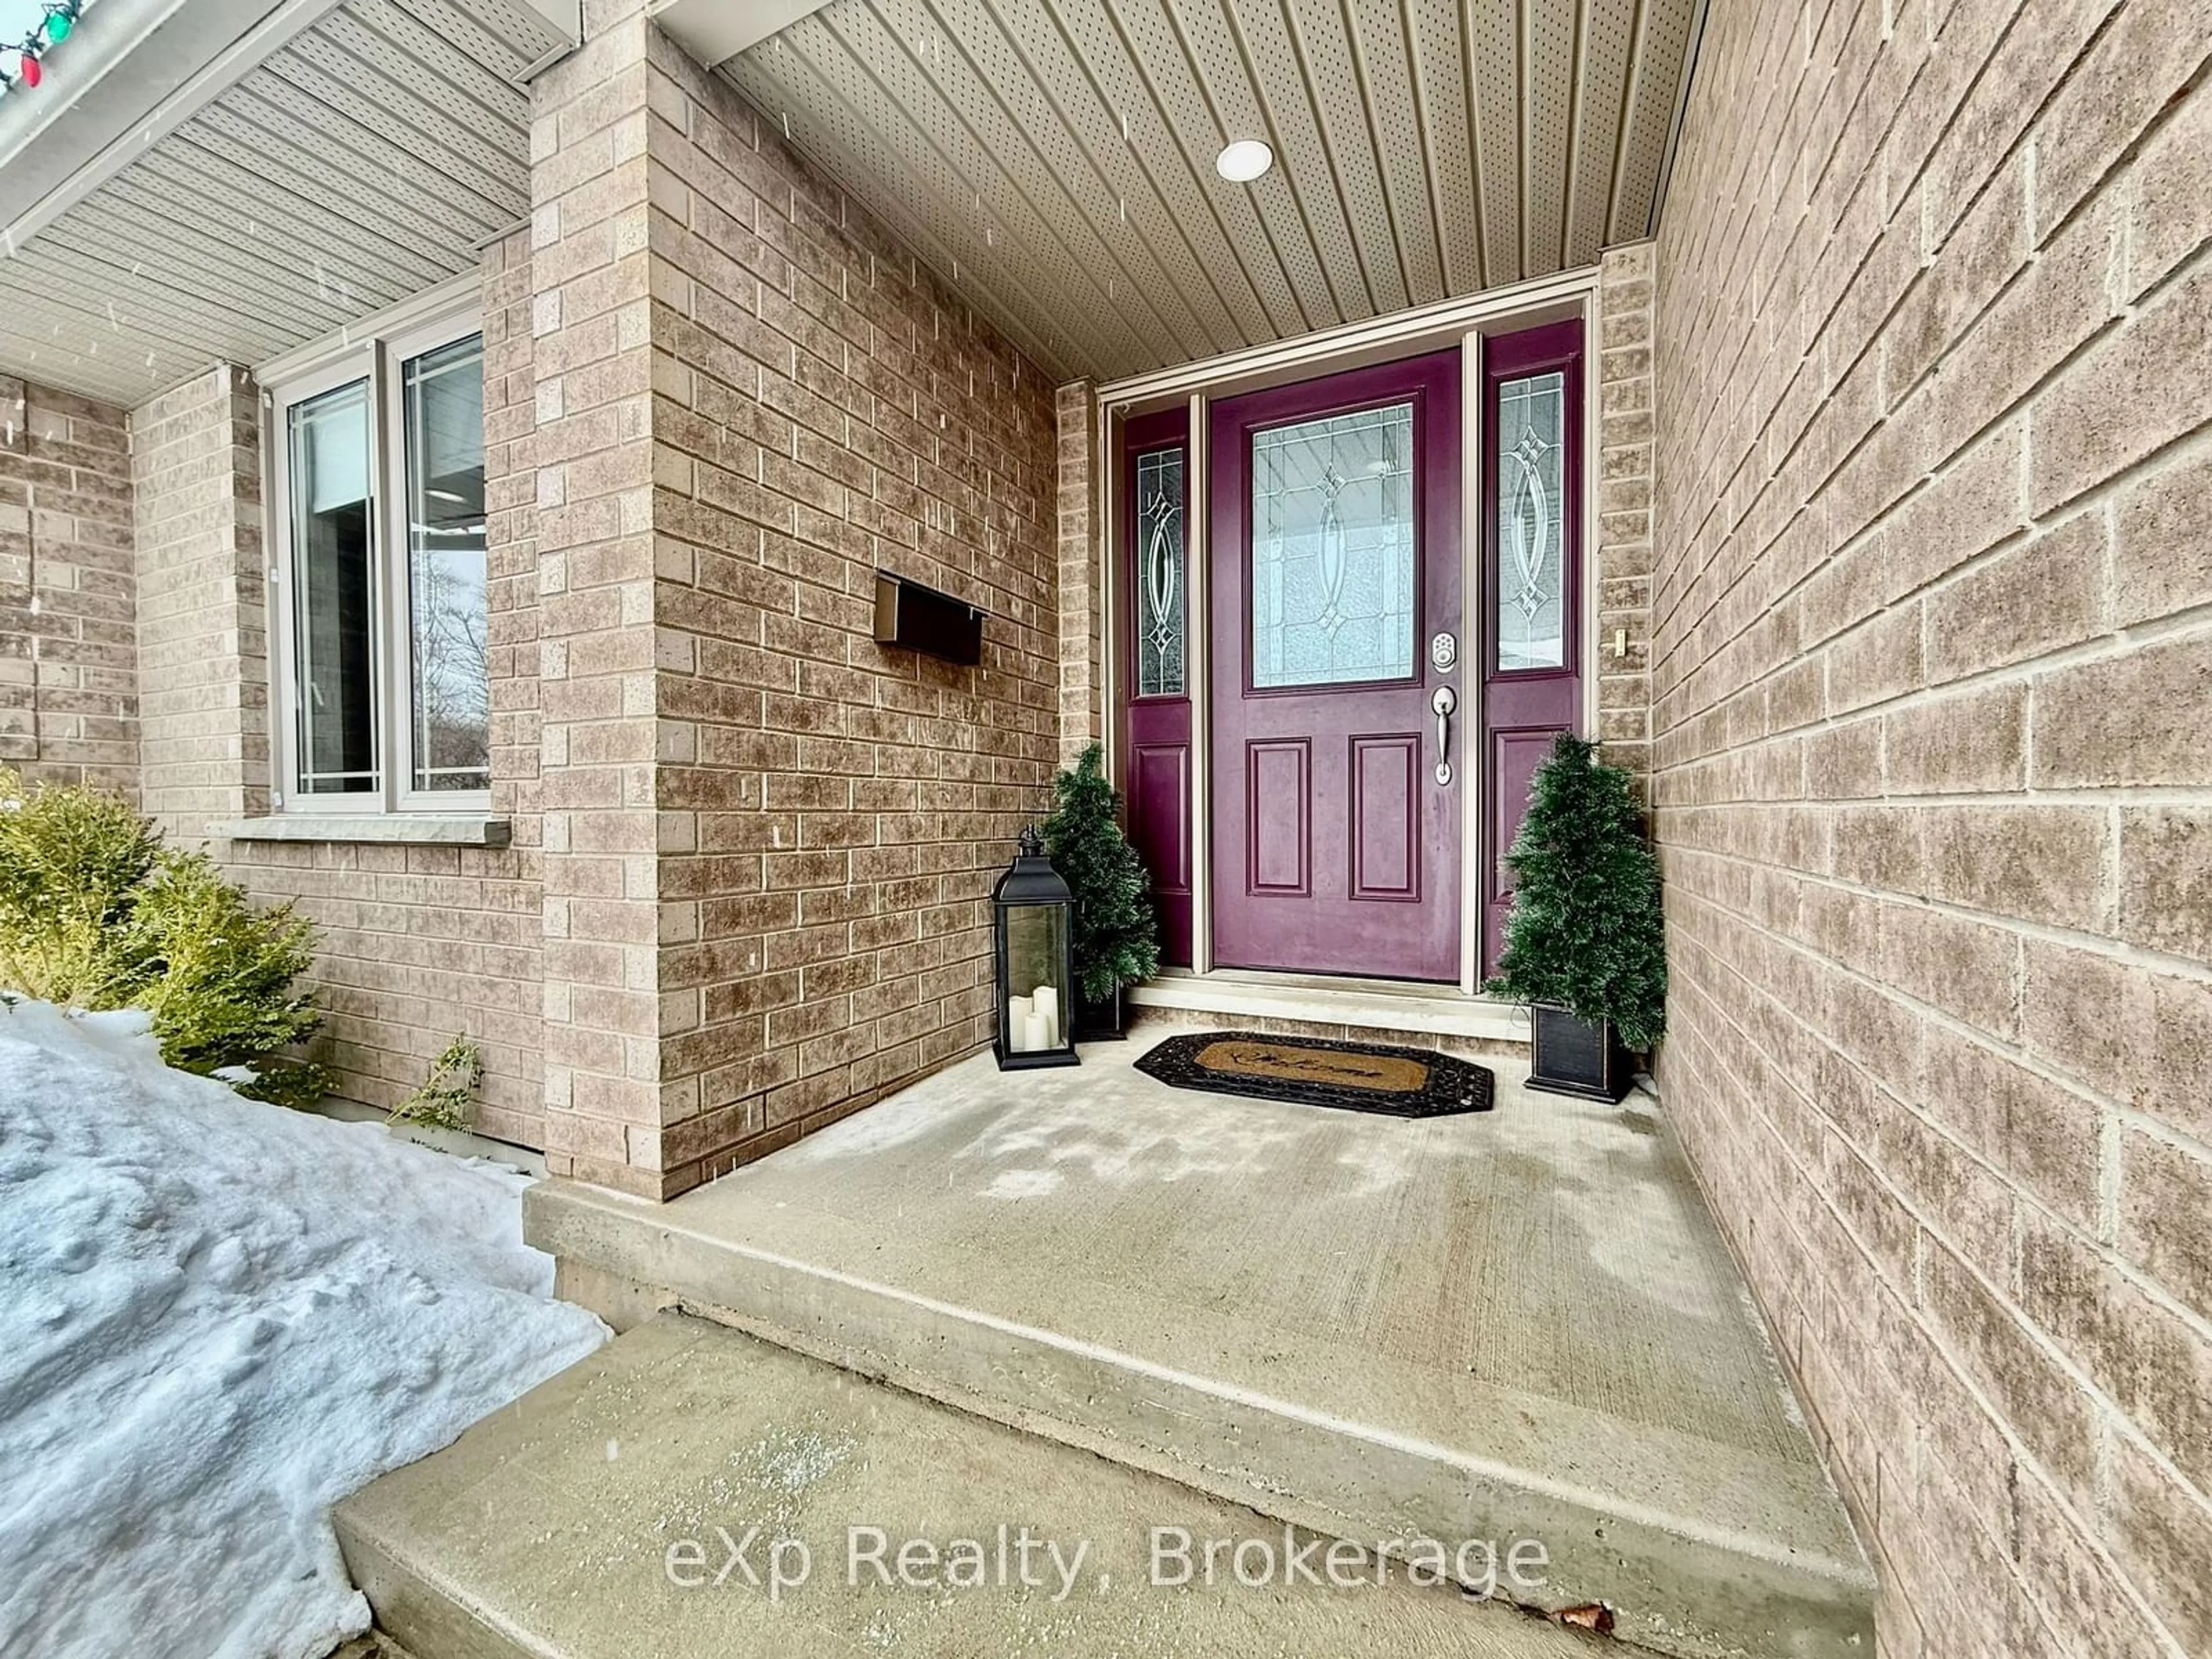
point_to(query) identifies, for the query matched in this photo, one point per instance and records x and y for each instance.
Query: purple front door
(1335, 559)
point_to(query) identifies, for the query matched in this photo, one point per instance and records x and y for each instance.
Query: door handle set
(1444, 700)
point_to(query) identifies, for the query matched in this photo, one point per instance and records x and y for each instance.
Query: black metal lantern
(1033, 931)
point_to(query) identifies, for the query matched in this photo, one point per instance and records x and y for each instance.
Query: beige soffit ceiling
(1055, 157)
(362, 160)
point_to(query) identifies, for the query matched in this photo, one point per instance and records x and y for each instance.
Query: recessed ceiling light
(1243, 159)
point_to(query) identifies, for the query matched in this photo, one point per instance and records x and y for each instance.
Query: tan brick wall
(1624, 390)
(592, 368)
(769, 842)
(421, 945)
(417, 944)
(69, 682)
(834, 812)
(1931, 662)
(1083, 582)
(202, 630)
(511, 533)
(747, 889)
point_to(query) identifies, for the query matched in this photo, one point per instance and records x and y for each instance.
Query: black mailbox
(918, 618)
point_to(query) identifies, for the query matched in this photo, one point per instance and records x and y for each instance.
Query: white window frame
(379, 360)
(397, 353)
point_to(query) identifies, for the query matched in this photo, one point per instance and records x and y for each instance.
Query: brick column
(768, 841)
(510, 406)
(833, 812)
(203, 627)
(1625, 396)
(591, 370)
(1082, 570)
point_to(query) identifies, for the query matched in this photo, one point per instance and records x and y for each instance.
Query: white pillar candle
(1019, 1013)
(1047, 1004)
(1039, 1034)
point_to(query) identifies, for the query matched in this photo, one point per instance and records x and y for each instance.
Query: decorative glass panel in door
(1159, 574)
(1532, 408)
(1333, 577)
(1531, 461)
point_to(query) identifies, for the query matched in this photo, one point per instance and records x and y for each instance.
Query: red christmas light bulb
(31, 72)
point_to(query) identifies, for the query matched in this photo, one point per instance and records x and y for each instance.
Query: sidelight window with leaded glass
(1531, 463)
(1162, 628)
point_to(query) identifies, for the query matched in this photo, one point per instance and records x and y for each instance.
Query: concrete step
(1315, 1005)
(1520, 1325)
(592, 1519)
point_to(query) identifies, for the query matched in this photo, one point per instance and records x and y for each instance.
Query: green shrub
(446, 1099)
(95, 913)
(219, 978)
(70, 860)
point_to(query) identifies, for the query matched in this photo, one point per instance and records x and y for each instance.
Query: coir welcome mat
(1358, 1077)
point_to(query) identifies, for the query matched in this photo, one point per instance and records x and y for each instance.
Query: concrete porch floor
(1516, 1324)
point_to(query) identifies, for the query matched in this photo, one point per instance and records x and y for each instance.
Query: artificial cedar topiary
(1585, 933)
(1116, 933)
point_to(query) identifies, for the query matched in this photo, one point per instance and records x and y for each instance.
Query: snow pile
(217, 1318)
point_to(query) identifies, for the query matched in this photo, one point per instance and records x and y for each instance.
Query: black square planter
(1578, 1057)
(1102, 1022)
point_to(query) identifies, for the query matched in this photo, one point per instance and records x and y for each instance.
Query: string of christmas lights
(53, 29)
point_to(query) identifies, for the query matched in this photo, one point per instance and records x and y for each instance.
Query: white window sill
(410, 828)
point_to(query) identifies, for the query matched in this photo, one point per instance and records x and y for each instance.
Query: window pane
(1532, 426)
(334, 608)
(1159, 574)
(447, 566)
(1333, 550)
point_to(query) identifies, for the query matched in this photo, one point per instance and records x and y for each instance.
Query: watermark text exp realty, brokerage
(1019, 1558)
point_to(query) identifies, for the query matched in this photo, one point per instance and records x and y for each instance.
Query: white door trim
(1376, 339)
(1472, 773)
(1198, 659)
